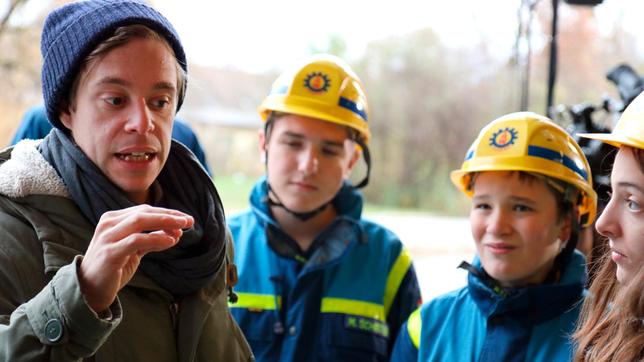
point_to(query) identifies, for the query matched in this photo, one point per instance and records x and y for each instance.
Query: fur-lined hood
(27, 172)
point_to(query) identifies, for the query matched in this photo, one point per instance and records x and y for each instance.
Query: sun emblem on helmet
(504, 137)
(317, 82)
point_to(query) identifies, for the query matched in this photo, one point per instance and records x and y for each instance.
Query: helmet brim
(342, 118)
(613, 139)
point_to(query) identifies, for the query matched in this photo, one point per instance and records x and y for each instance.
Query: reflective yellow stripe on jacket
(367, 309)
(414, 325)
(354, 307)
(396, 275)
(256, 301)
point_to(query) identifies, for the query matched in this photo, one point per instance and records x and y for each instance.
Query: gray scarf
(189, 265)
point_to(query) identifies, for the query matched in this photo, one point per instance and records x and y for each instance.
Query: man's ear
(65, 118)
(262, 145)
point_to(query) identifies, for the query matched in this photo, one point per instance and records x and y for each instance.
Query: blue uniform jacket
(477, 324)
(345, 301)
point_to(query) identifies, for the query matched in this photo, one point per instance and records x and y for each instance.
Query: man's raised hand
(121, 239)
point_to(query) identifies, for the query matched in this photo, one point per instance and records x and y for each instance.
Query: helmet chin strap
(302, 216)
(367, 160)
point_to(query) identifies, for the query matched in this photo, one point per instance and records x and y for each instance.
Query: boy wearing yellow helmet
(531, 190)
(316, 281)
(612, 323)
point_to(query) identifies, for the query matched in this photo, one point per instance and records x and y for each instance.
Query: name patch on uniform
(366, 325)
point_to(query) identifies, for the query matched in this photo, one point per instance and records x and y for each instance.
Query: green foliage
(234, 192)
(336, 45)
(428, 103)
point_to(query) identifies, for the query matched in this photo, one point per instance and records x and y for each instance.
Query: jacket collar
(330, 244)
(538, 302)
(24, 172)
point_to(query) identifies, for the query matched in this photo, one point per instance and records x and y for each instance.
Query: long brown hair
(611, 327)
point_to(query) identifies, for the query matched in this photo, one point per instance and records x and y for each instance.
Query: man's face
(123, 112)
(308, 159)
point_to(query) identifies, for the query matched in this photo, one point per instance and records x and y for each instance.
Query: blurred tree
(585, 56)
(335, 45)
(19, 69)
(4, 19)
(428, 102)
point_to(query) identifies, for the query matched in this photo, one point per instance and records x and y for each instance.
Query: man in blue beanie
(113, 243)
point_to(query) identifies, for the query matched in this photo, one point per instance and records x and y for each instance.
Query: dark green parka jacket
(43, 316)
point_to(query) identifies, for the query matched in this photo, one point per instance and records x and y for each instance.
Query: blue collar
(537, 302)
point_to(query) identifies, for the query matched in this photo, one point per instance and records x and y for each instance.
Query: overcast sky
(257, 35)
(263, 34)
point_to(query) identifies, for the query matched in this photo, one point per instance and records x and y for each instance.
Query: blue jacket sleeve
(183, 133)
(201, 156)
(404, 349)
(34, 125)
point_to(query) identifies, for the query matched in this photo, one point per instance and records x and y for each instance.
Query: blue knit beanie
(72, 32)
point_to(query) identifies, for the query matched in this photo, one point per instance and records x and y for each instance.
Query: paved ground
(437, 245)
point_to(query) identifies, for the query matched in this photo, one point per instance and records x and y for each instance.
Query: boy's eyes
(292, 143)
(160, 103)
(518, 207)
(522, 208)
(482, 206)
(330, 151)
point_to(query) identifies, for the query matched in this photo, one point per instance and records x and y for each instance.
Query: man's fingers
(143, 208)
(112, 218)
(135, 223)
(175, 233)
(139, 244)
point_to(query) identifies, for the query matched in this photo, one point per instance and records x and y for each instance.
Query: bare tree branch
(5, 19)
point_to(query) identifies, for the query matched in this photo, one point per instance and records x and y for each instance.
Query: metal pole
(552, 73)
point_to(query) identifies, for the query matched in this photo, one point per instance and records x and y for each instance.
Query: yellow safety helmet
(526, 141)
(629, 130)
(324, 87)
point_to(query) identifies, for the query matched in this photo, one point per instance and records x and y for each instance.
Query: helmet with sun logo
(323, 87)
(526, 141)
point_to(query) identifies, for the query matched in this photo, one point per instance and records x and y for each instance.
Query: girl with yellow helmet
(612, 323)
(531, 190)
